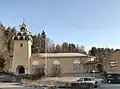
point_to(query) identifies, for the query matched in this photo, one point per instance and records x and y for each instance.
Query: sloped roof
(59, 55)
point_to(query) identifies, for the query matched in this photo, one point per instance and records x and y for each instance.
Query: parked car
(113, 78)
(89, 80)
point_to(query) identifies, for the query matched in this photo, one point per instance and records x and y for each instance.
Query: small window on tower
(21, 44)
(22, 29)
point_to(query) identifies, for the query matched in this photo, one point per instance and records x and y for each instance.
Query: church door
(20, 70)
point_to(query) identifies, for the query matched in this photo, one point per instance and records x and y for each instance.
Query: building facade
(24, 62)
(112, 65)
(22, 51)
(109, 65)
(67, 62)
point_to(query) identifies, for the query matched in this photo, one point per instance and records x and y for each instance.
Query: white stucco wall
(21, 55)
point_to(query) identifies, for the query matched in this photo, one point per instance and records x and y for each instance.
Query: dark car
(113, 78)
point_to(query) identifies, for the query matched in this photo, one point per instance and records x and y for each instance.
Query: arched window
(26, 38)
(35, 64)
(56, 65)
(19, 34)
(76, 64)
(56, 62)
(21, 38)
(36, 68)
(22, 29)
(24, 34)
(16, 38)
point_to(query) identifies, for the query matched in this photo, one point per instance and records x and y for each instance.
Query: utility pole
(46, 59)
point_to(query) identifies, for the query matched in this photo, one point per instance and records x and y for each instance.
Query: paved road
(104, 86)
(110, 86)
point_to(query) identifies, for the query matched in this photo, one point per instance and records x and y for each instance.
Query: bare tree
(50, 45)
(82, 48)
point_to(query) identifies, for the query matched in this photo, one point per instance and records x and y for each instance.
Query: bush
(2, 63)
(31, 76)
(4, 73)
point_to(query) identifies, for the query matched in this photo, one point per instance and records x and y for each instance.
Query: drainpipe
(26, 67)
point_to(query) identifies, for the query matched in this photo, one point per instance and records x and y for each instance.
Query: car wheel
(96, 86)
(109, 81)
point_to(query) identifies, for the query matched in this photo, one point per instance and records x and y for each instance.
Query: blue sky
(86, 22)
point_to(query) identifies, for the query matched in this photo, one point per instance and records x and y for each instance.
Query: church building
(24, 62)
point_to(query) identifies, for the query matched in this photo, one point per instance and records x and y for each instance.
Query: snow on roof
(59, 55)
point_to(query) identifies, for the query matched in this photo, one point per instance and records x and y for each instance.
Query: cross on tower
(23, 20)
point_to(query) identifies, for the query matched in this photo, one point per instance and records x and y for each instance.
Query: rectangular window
(21, 44)
(113, 63)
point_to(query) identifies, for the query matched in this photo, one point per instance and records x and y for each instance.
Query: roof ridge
(59, 55)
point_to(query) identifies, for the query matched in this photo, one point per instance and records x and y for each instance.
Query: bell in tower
(23, 28)
(23, 34)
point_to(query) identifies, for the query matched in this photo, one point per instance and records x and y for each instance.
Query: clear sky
(86, 22)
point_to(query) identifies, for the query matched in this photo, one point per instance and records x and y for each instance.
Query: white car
(89, 80)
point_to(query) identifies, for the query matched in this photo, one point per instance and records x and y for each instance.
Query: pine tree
(43, 42)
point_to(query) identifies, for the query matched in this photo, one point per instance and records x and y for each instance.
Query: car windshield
(113, 76)
(87, 79)
(81, 79)
(109, 76)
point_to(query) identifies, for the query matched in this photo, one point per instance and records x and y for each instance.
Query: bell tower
(22, 51)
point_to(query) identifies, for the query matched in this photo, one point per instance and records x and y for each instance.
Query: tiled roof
(59, 55)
